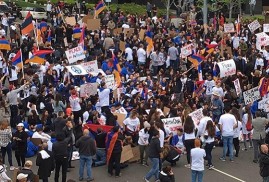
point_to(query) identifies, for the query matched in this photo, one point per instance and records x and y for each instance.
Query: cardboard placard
(88, 89)
(264, 104)
(122, 46)
(136, 153)
(86, 18)
(142, 34)
(121, 118)
(128, 32)
(117, 31)
(126, 154)
(71, 20)
(93, 24)
(90, 66)
(227, 68)
(76, 70)
(110, 81)
(251, 95)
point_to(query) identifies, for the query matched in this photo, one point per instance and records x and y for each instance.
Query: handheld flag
(77, 33)
(35, 59)
(149, 41)
(27, 26)
(4, 44)
(43, 26)
(99, 8)
(17, 60)
(49, 36)
(117, 69)
(195, 60)
(238, 25)
(42, 53)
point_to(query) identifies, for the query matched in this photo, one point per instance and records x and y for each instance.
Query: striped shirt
(5, 137)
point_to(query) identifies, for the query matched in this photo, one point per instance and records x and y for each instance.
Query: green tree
(168, 4)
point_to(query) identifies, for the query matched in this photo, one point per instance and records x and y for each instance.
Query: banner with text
(265, 27)
(76, 70)
(227, 68)
(75, 54)
(172, 123)
(186, 51)
(229, 27)
(197, 116)
(251, 95)
(254, 25)
(110, 81)
(237, 87)
(88, 89)
(90, 66)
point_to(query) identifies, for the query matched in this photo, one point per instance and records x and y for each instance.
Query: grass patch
(27, 4)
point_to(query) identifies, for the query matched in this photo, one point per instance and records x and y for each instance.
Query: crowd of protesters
(43, 113)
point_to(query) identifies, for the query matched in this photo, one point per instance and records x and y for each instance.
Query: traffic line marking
(228, 175)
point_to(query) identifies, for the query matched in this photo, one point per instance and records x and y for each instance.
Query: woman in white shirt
(189, 136)
(143, 143)
(247, 117)
(209, 135)
(75, 106)
(197, 162)
(132, 126)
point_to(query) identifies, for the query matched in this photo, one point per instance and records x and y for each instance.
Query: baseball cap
(21, 124)
(22, 176)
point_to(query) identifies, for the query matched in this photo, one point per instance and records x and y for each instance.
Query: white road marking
(228, 175)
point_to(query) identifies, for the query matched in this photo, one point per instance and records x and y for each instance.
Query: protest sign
(197, 116)
(93, 24)
(172, 123)
(262, 39)
(251, 95)
(86, 18)
(70, 20)
(88, 89)
(76, 70)
(98, 71)
(142, 34)
(265, 27)
(237, 87)
(229, 27)
(90, 66)
(121, 118)
(186, 51)
(126, 154)
(128, 32)
(117, 31)
(227, 68)
(136, 153)
(110, 81)
(122, 46)
(75, 54)
(254, 25)
(264, 104)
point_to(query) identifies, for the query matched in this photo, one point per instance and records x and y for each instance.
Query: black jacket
(68, 135)
(58, 125)
(154, 148)
(86, 146)
(30, 173)
(264, 165)
(20, 145)
(166, 177)
(45, 165)
(59, 150)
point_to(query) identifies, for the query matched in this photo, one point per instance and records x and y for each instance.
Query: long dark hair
(248, 111)
(188, 125)
(210, 129)
(236, 114)
(58, 97)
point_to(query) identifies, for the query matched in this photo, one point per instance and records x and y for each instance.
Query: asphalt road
(242, 170)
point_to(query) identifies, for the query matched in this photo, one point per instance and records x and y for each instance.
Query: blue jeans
(197, 175)
(100, 158)
(228, 143)
(7, 150)
(265, 179)
(88, 160)
(154, 169)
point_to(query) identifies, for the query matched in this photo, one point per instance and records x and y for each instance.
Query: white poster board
(197, 116)
(251, 95)
(75, 54)
(172, 123)
(262, 39)
(186, 51)
(237, 87)
(227, 68)
(254, 25)
(90, 66)
(264, 104)
(110, 81)
(229, 27)
(88, 89)
(76, 70)
(265, 27)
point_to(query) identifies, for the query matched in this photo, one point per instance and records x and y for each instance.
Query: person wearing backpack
(247, 127)
(259, 134)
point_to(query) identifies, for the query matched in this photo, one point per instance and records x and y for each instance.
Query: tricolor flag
(49, 36)
(17, 60)
(76, 33)
(264, 86)
(215, 73)
(27, 26)
(99, 8)
(4, 44)
(82, 37)
(195, 60)
(42, 53)
(150, 46)
(117, 68)
(238, 25)
(43, 26)
(198, 88)
(35, 59)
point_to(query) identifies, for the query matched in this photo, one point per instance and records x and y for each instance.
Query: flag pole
(35, 32)
(22, 68)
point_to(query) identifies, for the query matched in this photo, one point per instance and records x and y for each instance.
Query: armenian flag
(99, 8)
(58, 12)
(17, 60)
(42, 53)
(4, 44)
(149, 41)
(264, 86)
(195, 60)
(215, 73)
(49, 36)
(27, 26)
(238, 25)
(117, 69)
(77, 33)
(110, 143)
(35, 59)
(43, 26)
(198, 88)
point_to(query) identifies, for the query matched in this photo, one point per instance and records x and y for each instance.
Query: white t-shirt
(104, 97)
(14, 74)
(237, 130)
(259, 61)
(202, 125)
(218, 90)
(131, 124)
(197, 159)
(129, 53)
(189, 136)
(209, 138)
(227, 121)
(141, 55)
(143, 137)
(161, 138)
(5, 21)
(209, 86)
(49, 6)
(180, 142)
(85, 116)
(74, 103)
